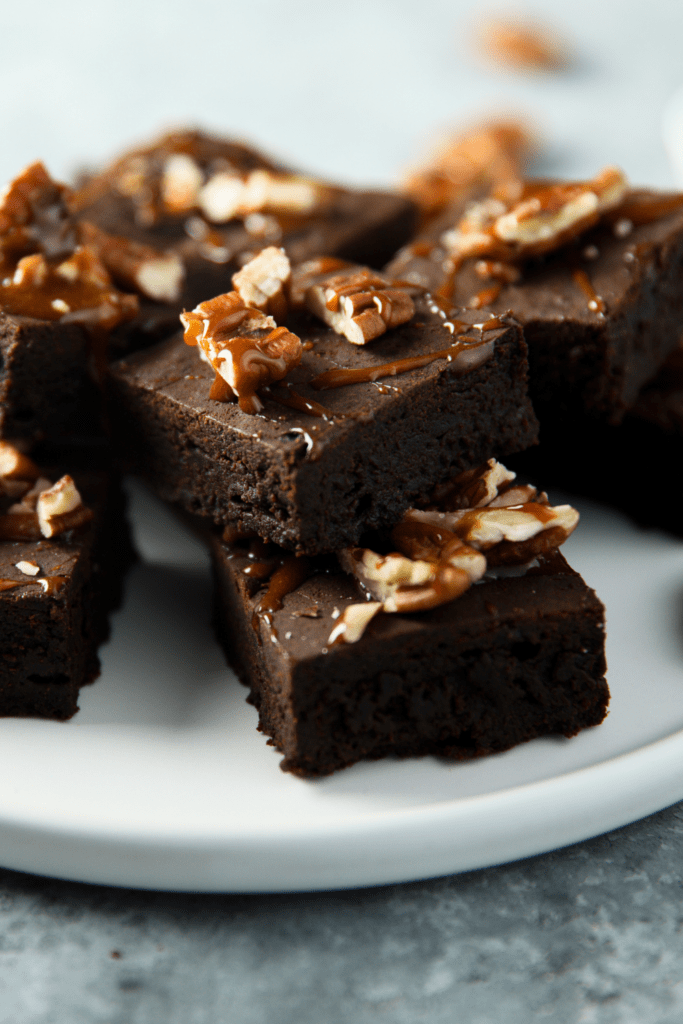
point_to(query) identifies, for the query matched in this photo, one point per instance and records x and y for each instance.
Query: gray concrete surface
(587, 935)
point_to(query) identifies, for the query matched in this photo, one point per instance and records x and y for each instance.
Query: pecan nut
(360, 304)
(244, 347)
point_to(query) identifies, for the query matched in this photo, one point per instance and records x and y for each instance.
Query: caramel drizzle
(643, 209)
(595, 303)
(10, 584)
(258, 570)
(486, 296)
(288, 576)
(285, 395)
(340, 376)
(53, 584)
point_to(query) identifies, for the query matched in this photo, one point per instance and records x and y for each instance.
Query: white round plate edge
(396, 846)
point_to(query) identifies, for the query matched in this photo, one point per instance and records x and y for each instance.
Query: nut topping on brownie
(488, 154)
(136, 267)
(360, 303)
(544, 217)
(441, 554)
(31, 506)
(54, 267)
(262, 281)
(246, 349)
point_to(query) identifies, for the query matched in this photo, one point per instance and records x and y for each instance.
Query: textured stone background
(587, 935)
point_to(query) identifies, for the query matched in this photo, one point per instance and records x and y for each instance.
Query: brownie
(513, 658)
(44, 379)
(50, 632)
(57, 304)
(602, 462)
(600, 313)
(314, 483)
(367, 226)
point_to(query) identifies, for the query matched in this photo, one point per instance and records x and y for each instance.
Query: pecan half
(492, 153)
(245, 348)
(360, 304)
(543, 218)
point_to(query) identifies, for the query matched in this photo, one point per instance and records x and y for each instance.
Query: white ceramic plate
(162, 781)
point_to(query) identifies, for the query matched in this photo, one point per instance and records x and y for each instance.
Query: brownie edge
(513, 659)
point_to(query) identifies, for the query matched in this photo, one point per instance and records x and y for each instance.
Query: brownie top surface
(614, 265)
(174, 371)
(57, 557)
(550, 589)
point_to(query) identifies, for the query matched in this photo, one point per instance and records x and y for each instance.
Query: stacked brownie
(602, 315)
(384, 586)
(304, 421)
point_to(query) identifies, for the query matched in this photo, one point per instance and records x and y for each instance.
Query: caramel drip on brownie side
(258, 570)
(455, 353)
(52, 584)
(595, 303)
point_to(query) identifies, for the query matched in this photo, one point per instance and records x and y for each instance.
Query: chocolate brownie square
(421, 403)
(56, 591)
(216, 202)
(599, 296)
(513, 658)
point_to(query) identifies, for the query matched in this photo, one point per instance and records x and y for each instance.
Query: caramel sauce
(645, 209)
(486, 296)
(289, 575)
(424, 541)
(287, 396)
(258, 570)
(595, 303)
(54, 583)
(10, 584)
(340, 376)
(49, 584)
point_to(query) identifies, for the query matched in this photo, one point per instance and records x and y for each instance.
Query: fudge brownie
(216, 203)
(58, 304)
(598, 288)
(601, 461)
(321, 463)
(56, 591)
(519, 654)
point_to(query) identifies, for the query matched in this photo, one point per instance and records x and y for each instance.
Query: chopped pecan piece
(543, 218)
(44, 509)
(228, 194)
(353, 622)
(245, 348)
(45, 270)
(493, 522)
(525, 46)
(60, 508)
(135, 266)
(360, 303)
(262, 281)
(508, 535)
(493, 153)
